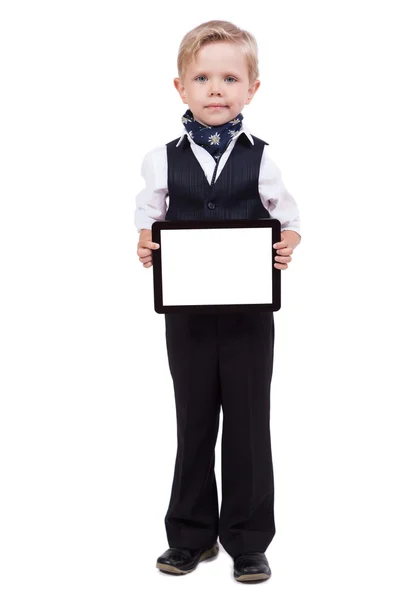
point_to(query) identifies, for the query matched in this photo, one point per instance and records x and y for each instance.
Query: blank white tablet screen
(216, 266)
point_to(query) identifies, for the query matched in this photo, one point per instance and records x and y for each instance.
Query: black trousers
(222, 360)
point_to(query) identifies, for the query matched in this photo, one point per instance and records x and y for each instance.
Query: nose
(214, 91)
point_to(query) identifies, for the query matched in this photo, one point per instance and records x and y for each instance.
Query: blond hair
(218, 31)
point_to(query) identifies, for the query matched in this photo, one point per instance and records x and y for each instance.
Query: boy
(218, 170)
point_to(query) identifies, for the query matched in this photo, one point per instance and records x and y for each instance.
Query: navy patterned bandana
(214, 139)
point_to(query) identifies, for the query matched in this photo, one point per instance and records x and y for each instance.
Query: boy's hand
(289, 241)
(145, 247)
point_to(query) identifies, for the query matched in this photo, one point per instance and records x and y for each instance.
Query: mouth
(216, 106)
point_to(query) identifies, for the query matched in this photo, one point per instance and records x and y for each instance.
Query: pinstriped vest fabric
(234, 195)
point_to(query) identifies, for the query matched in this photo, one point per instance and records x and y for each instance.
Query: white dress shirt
(151, 202)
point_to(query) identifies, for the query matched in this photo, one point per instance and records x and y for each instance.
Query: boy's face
(218, 76)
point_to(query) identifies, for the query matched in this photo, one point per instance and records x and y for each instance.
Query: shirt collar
(243, 129)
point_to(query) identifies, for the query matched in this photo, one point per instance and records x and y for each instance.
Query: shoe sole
(252, 577)
(175, 571)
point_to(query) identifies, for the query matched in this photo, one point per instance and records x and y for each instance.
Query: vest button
(211, 205)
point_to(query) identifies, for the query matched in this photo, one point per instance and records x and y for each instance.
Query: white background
(87, 423)
(214, 269)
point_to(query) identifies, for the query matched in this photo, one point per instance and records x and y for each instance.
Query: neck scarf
(214, 138)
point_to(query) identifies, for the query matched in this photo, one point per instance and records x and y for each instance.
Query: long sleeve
(275, 197)
(151, 201)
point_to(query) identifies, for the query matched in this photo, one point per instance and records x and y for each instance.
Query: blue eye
(227, 77)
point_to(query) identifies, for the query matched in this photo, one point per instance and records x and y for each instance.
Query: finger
(146, 259)
(148, 244)
(144, 252)
(282, 244)
(147, 265)
(283, 259)
(280, 267)
(285, 251)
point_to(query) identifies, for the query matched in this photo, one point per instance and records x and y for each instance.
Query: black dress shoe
(251, 566)
(179, 561)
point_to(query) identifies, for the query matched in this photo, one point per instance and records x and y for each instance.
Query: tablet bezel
(157, 226)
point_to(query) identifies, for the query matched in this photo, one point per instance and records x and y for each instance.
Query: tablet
(219, 266)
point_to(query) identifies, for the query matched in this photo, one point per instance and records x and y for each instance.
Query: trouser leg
(192, 516)
(246, 342)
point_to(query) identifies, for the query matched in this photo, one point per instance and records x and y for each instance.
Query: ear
(252, 90)
(181, 89)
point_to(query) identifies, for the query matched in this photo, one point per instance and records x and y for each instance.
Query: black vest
(234, 195)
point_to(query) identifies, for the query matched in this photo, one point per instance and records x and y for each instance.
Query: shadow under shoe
(251, 566)
(179, 561)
